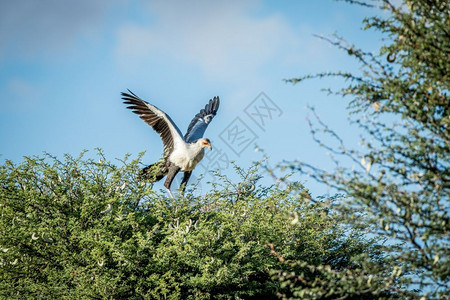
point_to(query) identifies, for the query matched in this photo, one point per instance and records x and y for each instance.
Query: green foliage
(400, 100)
(83, 228)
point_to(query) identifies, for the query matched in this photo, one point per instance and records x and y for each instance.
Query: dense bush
(83, 228)
(399, 176)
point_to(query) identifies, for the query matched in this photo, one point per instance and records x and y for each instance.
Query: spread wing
(157, 119)
(201, 121)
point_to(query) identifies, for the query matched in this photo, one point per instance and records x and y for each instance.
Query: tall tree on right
(400, 100)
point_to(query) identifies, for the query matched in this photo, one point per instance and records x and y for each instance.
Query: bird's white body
(187, 155)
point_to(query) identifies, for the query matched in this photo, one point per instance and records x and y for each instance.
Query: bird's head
(205, 143)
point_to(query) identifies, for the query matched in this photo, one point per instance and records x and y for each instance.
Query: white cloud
(225, 39)
(21, 95)
(29, 27)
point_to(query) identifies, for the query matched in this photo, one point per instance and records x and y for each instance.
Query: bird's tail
(154, 172)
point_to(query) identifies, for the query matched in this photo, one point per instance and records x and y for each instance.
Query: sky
(64, 63)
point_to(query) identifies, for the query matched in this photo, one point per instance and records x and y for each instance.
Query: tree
(85, 228)
(400, 189)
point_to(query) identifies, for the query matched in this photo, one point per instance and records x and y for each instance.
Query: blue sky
(64, 63)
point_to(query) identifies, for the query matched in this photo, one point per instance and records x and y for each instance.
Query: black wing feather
(210, 109)
(158, 123)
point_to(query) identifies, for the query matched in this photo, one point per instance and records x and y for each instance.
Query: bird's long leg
(170, 193)
(185, 180)
(173, 171)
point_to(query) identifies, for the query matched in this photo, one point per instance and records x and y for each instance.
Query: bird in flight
(181, 153)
